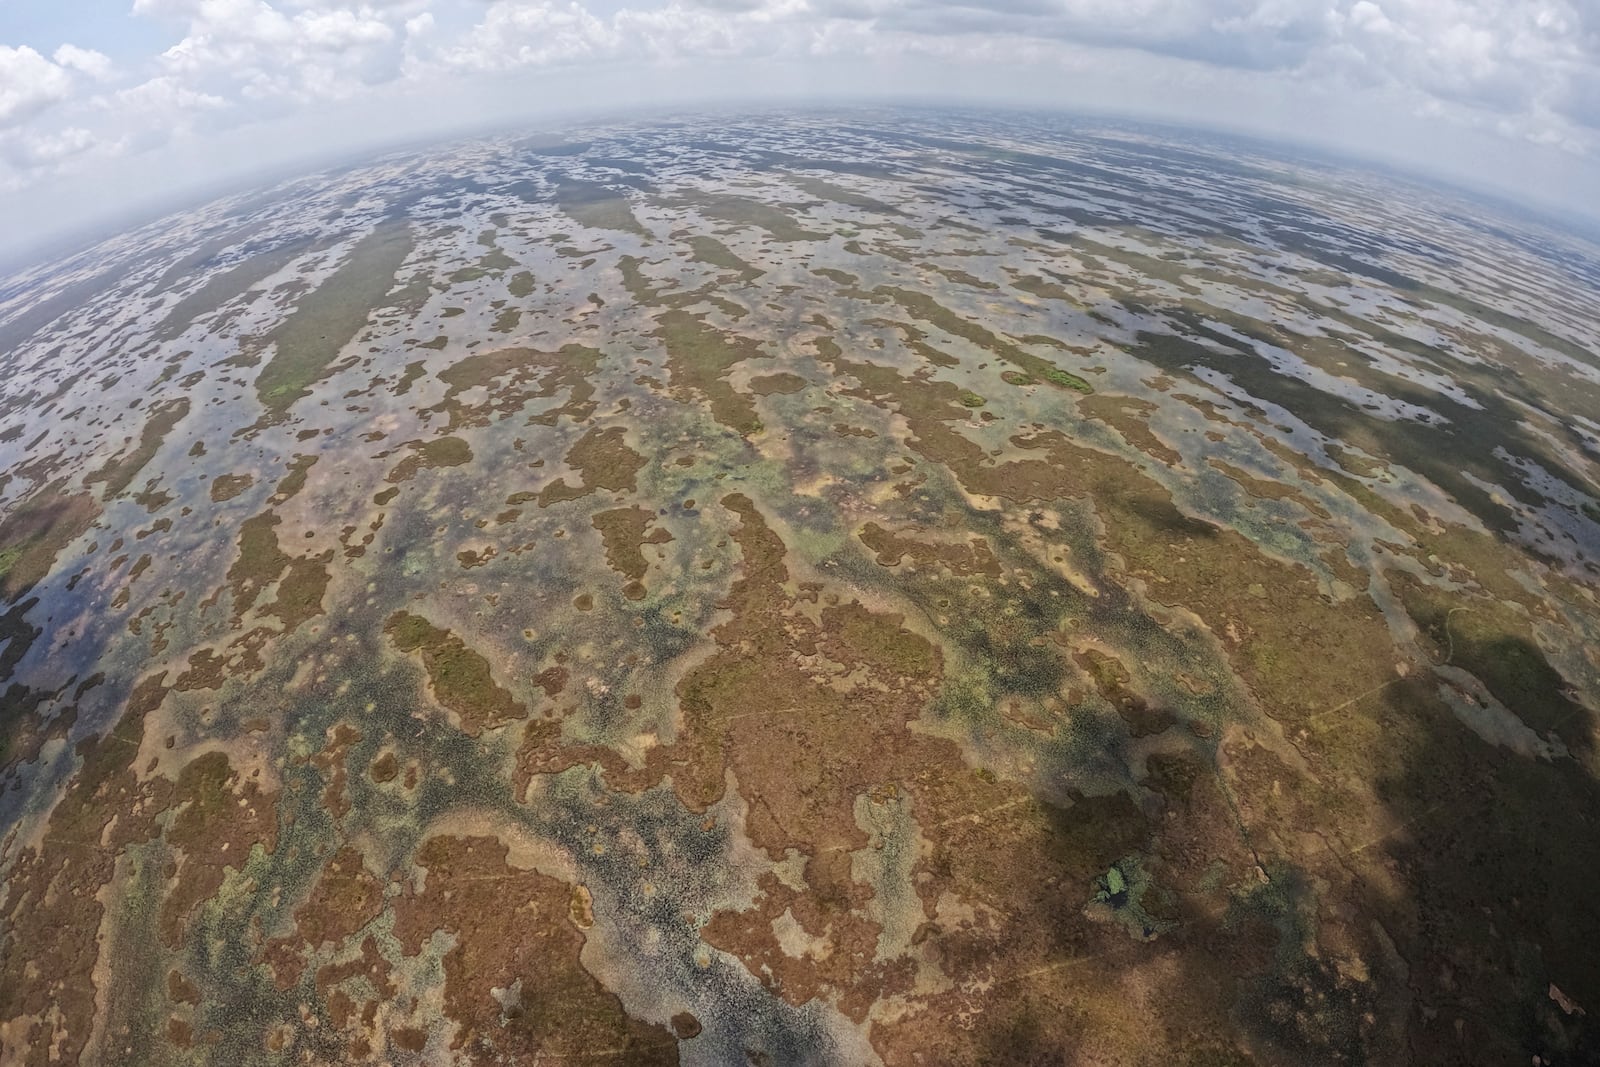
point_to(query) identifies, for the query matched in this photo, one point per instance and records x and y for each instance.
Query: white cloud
(1523, 65)
(1515, 66)
(1524, 71)
(518, 34)
(29, 83)
(28, 151)
(165, 98)
(96, 65)
(287, 55)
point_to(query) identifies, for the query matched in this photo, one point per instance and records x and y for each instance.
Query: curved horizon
(753, 533)
(104, 109)
(82, 235)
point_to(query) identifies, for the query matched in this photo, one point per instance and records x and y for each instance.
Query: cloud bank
(1520, 74)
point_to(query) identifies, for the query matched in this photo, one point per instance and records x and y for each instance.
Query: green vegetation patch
(742, 212)
(118, 473)
(35, 532)
(931, 311)
(430, 455)
(460, 677)
(1121, 890)
(226, 286)
(1067, 380)
(328, 318)
(699, 358)
(714, 253)
(1494, 643)
(597, 206)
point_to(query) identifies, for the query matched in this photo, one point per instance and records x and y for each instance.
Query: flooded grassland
(834, 589)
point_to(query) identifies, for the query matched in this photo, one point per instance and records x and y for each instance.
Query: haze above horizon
(110, 106)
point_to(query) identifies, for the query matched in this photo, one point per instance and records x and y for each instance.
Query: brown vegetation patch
(604, 461)
(1018, 868)
(625, 532)
(364, 980)
(782, 383)
(1115, 684)
(825, 190)
(597, 206)
(412, 373)
(511, 377)
(180, 990)
(259, 563)
(1130, 417)
(330, 759)
(1472, 447)
(345, 897)
(929, 406)
(23, 729)
(52, 907)
(227, 486)
(222, 287)
(744, 212)
(829, 916)
(220, 816)
(300, 591)
(972, 558)
(551, 1007)
(153, 498)
(302, 580)
(1266, 489)
(931, 311)
(712, 252)
(1494, 642)
(293, 482)
(386, 768)
(470, 558)
(207, 670)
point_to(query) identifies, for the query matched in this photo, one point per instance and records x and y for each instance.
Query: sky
(109, 107)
